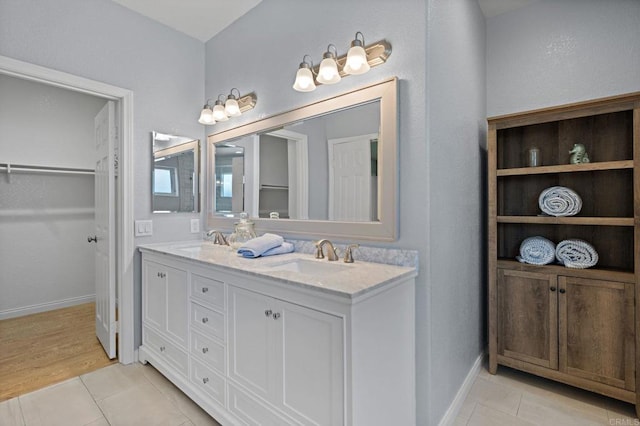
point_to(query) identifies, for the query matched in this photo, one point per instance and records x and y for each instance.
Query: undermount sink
(309, 267)
(197, 248)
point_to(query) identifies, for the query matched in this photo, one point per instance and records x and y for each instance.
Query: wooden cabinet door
(252, 354)
(312, 355)
(597, 330)
(528, 317)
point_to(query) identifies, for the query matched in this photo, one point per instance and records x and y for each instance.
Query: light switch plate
(195, 226)
(143, 228)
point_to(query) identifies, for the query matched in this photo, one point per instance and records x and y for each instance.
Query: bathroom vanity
(281, 340)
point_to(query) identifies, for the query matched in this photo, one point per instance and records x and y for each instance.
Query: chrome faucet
(331, 254)
(218, 237)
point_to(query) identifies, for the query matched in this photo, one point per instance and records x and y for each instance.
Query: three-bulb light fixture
(222, 110)
(358, 60)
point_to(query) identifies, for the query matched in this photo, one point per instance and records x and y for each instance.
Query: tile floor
(137, 395)
(118, 395)
(515, 398)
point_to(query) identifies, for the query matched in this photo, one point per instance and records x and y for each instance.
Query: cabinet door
(252, 355)
(597, 330)
(528, 317)
(312, 364)
(165, 301)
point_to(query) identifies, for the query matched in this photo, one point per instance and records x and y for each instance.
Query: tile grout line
(104, 416)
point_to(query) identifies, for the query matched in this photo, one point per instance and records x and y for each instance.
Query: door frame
(125, 243)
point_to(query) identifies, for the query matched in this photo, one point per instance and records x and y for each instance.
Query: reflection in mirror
(326, 169)
(175, 173)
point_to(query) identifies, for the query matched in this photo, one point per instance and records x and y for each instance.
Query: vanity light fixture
(357, 57)
(233, 106)
(304, 77)
(218, 110)
(206, 116)
(358, 60)
(328, 73)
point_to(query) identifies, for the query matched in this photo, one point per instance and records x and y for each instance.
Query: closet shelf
(573, 220)
(566, 168)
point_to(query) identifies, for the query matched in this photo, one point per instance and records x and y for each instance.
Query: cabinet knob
(205, 320)
(162, 348)
(162, 274)
(268, 312)
(205, 380)
(205, 350)
(276, 316)
(562, 290)
(205, 289)
(552, 288)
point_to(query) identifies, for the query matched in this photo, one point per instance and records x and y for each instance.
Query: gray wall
(562, 51)
(441, 144)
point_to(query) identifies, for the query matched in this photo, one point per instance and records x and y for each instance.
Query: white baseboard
(48, 306)
(453, 410)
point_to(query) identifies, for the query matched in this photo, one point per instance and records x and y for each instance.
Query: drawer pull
(205, 320)
(205, 380)
(161, 274)
(276, 315)
(205, 289)
(268, 312)
(205, 350)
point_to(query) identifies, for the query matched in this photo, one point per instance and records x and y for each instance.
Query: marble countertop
(350, 280)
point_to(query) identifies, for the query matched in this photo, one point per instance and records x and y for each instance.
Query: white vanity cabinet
(290, 355)
(257, 349)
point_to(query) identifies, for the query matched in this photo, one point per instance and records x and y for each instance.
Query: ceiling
(203, 19)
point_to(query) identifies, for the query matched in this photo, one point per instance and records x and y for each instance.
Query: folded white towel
(576, 254)
(281, 249)
(537, 251)
(258, 246)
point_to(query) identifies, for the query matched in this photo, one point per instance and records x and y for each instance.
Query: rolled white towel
(537, 251)
(560, 201)
(576, 254)
(256, 247)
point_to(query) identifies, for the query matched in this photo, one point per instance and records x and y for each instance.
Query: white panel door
(105, 136)
(350, 178)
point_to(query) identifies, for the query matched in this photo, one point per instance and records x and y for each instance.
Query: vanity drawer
(165, 350)
(208, 290)
(208, 351)
(210, 322)
(208, 381)
(252, 412)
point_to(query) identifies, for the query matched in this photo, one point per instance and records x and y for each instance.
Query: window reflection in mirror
(229, 176)
(175, 173)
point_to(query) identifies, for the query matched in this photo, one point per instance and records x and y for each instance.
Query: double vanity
(281, 340)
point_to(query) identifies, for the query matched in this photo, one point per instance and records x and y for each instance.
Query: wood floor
(41, 349)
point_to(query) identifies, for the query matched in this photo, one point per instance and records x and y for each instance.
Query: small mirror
(175, 173)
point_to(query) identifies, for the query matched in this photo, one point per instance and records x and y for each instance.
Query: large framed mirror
(328, 169)
(175, 173)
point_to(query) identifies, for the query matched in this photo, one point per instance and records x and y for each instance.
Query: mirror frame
(385, 229)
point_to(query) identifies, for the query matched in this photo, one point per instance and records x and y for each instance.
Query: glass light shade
(328, 73)
(231, 107)
(206, 116)
(356, 61)
(218, 112)
(304, 80)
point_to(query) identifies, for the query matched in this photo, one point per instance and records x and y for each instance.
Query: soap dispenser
(243, 232)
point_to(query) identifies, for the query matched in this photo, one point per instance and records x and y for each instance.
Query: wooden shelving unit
(577, 326)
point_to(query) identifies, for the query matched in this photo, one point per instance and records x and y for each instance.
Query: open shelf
(566, 168)
(573, 220)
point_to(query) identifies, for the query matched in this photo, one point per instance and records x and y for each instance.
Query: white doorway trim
(125, 240)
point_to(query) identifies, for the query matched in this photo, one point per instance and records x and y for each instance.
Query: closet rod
(10, 168)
